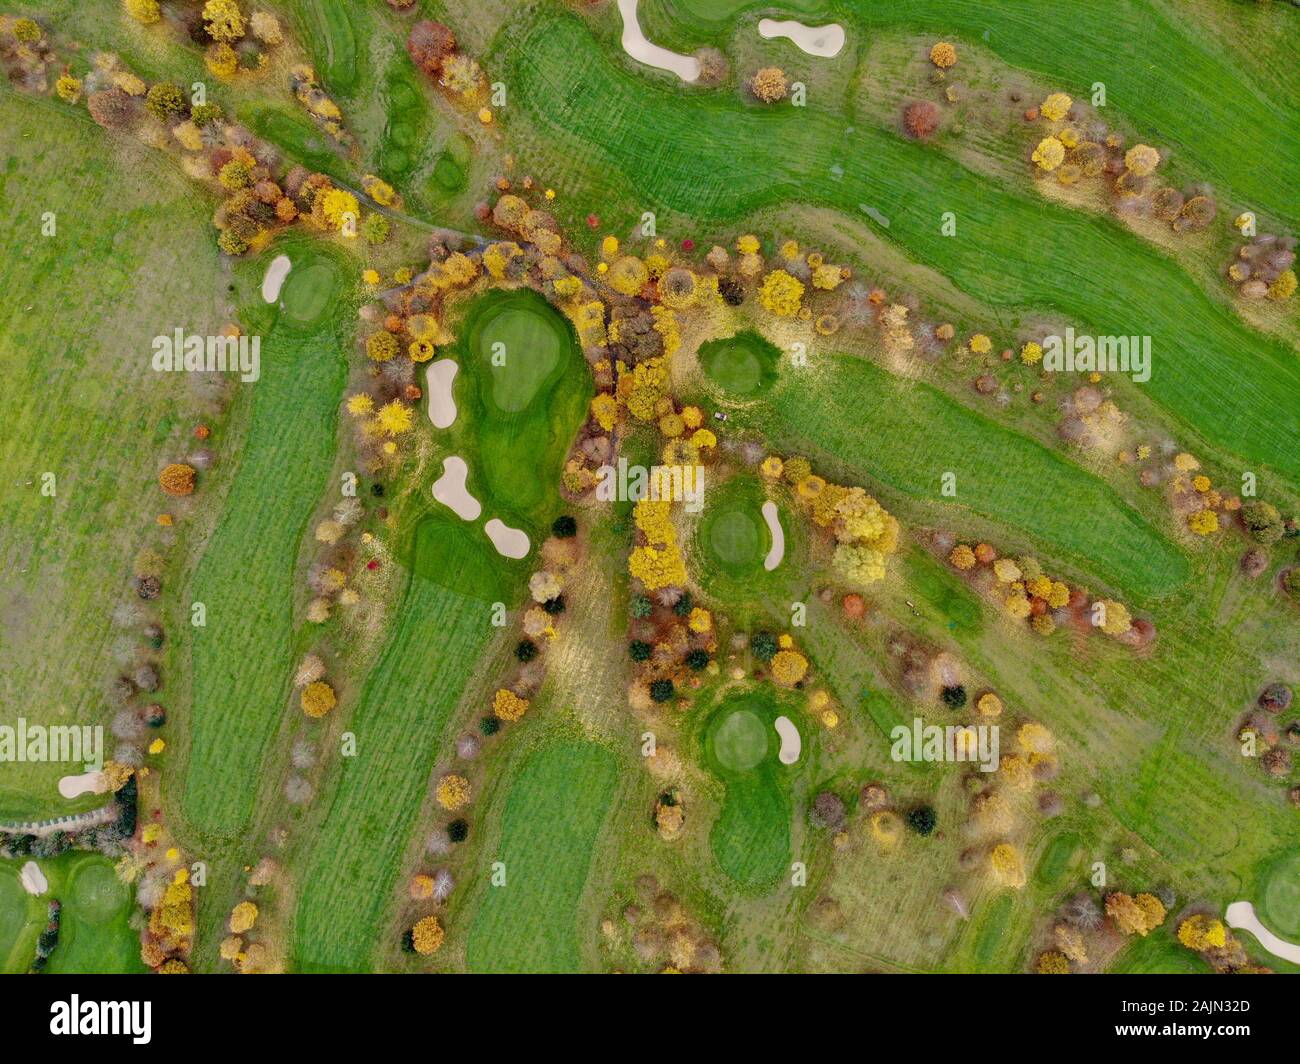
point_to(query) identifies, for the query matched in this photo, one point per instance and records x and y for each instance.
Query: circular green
(309, 291)
(740, 741)
(97, 894)
(736, 539)
(742, 365)
(1280, 898)
(520, 348)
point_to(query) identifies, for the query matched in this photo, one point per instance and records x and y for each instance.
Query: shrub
(763, 645)
(922, 819)
(661, 690)
(639, 650)
(564, 526)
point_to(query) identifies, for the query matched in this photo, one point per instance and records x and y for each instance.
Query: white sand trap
(274, 279)
(508, 541)
(442, 407)
(774, 556)
(825, 42)
(33, 879)
(686, 67)
(791, 744)
(1242, 914)
(449, 489)
(86, 783)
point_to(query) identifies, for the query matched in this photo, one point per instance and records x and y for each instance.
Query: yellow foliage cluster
(452, 791)
(509, 706)
(1201, 933)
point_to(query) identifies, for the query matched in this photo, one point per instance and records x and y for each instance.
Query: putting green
(742, 365)
(1279, 902)
(97, 894)
(741, 741)
(518, 343)
(310, 289)
(735, 538)
(518, 419)
(751, 837)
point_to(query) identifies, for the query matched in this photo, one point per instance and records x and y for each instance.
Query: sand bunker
(791, 744)
(33, 879)
(635, 44)
(86, 783)
(273, 281)
(826, 42)
(508, 541)
(774, 556)
(442, 407)
(449, 489)
(1242, 914)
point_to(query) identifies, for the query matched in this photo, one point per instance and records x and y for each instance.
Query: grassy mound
(554, 811)
(743, 365)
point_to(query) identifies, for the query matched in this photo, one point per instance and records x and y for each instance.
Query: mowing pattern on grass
(374, 798)
(1279, 905)
(555, 810)
(1018, 251)
(751, 837)
(75, 332)
(246, 578)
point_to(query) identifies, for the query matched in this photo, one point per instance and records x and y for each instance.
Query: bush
(697, 660)
(954, 696)
(1262, 521)
(922, 819)
(489, 725)
(554, 606)
(564, 527)
(661, 690)
(165, 100)
(642, 607)
(526, 650)
(638, 650)
(763, 645)
(458, 830)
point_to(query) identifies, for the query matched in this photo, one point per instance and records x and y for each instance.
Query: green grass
(742, 365)
(246, 578)
(1163, 64)
(1060, 856)
(943, 597)
(1279, 901)
(751, 837)
(907, 435)
(741, 741)
(1016, 251)
(1159, 953)
(992, 923)
(13, 918)
(76, 326)
(730, 541)
(554, 812)
(370, 802)
(516, 422)
(94, 933)
(330, 36)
